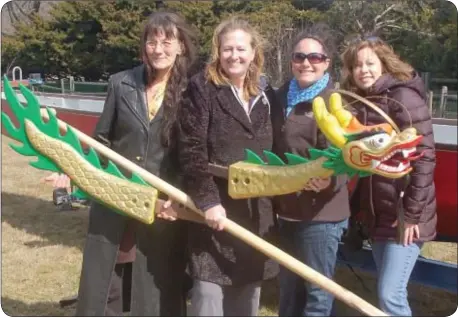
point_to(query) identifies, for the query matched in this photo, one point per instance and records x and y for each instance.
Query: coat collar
(134, 93)
(229, 102)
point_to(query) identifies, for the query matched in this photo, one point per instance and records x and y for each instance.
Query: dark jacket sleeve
(103, 129)
(422, 175)
(193, 120)
(339, 181)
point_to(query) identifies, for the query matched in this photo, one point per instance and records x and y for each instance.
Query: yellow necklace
(155, 99)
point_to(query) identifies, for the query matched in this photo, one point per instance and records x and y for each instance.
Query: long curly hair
(173, 26)
(391, 62)
(214, 71)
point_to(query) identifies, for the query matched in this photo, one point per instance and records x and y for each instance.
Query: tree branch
(20, 9)
(410, 30)
(378, 25)
(11, 12)
(360, 26)
(391, 7)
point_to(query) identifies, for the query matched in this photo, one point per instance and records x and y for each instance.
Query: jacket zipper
(252, 103)
(371, 202)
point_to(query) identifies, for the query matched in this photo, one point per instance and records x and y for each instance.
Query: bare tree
(277, 23)
(18, 11)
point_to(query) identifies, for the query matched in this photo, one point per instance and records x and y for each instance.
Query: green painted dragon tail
(30, 115)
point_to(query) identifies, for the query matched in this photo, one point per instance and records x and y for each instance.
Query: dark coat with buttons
(215, 128)
(157, 273)
(296, 134)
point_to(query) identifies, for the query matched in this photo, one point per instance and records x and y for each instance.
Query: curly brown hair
(391, 62)
(215, 73)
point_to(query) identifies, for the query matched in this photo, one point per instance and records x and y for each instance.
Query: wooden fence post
(430, 102)
(426, 76)
(443, 103)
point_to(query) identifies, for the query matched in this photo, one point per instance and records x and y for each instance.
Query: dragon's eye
(377, 141)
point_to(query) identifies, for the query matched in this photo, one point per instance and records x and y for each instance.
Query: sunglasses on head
(358, 39)
(313, 58)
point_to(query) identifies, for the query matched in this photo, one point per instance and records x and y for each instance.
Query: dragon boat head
(380, 149)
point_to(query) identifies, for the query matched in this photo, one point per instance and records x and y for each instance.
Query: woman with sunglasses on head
(397, 224)
(312, 221)
(128, 264)
(227, 111)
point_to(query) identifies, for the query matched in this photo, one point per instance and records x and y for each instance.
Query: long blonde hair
(214, 71)
(391, 63)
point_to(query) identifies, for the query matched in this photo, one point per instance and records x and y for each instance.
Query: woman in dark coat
(138, 122)
(226, 111)
(400, 214)
(312, 221)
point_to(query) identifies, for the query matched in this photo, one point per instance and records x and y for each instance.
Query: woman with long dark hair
(125, 261)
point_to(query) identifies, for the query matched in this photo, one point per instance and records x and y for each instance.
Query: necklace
(155, 98)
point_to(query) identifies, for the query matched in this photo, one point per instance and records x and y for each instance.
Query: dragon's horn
(348, 121)
(329, 125)
(344, 117)
(338, 125)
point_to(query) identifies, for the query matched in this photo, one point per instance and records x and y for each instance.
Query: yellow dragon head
(380, 149)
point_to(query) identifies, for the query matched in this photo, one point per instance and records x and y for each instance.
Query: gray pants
(208, 299)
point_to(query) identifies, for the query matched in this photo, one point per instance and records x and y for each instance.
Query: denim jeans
(394, 263)
(315, 244)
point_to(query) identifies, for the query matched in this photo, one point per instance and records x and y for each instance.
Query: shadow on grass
(424, 301)
(15, 308)
(269, 298)
(41, 218)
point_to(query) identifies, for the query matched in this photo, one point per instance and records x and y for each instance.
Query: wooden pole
(430, 103)
(443, 102)
(233, 228)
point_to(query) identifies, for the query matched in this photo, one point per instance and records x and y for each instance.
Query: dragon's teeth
(374, 163)
(401, 167)
(407, 152)
(387, 168)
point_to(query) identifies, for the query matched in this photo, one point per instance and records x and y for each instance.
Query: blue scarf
(298, 95)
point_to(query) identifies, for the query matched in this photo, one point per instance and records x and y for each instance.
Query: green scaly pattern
(335, 160)
(50, 128)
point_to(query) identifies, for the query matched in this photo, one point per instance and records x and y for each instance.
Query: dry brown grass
(41, 248)
(41, 253)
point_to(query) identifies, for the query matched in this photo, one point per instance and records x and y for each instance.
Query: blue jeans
(394, 263)
(315, 244)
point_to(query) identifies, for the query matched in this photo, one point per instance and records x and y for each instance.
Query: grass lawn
(41, 253)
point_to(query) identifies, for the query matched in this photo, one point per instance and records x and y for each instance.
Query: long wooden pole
(233, 228)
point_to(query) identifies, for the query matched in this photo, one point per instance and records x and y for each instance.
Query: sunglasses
(313, 58)
(359, 39)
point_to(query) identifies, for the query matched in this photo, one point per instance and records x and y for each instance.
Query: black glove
(64, 201)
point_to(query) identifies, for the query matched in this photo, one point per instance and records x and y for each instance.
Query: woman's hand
(317, 184)
(215, 217)
(411, 231)
(166, 210)
(58, 180)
